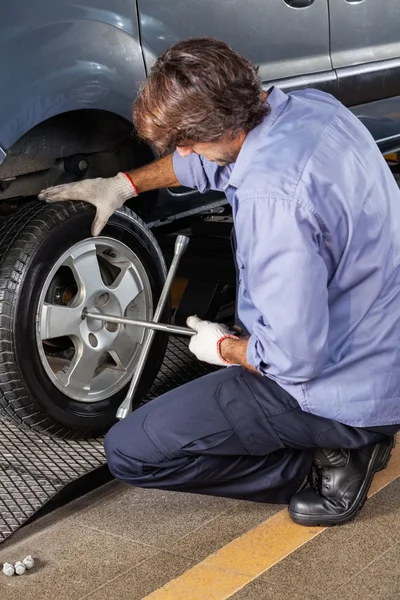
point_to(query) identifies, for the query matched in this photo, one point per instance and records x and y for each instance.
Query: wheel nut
(82, 165)
(8, 569)
(28, 562)
(19, 568)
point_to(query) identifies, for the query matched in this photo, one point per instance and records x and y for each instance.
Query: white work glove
(205, 343)
(106, 195)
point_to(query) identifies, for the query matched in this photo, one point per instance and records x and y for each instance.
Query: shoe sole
(379, 461)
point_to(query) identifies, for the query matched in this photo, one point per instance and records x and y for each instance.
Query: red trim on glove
(133, 185)
(224, 337)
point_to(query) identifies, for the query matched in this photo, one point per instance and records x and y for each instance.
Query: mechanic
(313, 382)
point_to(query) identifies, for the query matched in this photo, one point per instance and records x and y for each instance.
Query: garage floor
(125, 543)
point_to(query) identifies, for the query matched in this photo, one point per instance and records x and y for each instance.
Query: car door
(365, 50)
(287, 39)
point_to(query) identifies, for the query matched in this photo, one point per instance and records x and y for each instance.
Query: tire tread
(17, 234)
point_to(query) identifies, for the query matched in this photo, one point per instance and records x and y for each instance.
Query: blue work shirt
(317, 219)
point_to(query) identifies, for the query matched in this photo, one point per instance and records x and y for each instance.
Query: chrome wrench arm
(126, 406)
(165, 327)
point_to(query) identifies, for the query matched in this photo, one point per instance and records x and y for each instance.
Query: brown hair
(198, 90)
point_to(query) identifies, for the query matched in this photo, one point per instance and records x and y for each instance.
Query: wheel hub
(100, 357)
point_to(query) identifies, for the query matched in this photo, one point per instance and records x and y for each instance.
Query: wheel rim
(87, 359)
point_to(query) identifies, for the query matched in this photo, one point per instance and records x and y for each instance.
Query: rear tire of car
(32, 241)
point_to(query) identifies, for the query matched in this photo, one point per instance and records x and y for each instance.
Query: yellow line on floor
(232, 567)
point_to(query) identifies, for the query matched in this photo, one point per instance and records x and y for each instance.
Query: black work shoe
(343, 480)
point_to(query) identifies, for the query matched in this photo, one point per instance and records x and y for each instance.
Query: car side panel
(64, 57)
(365, 50)
(283, 41)
(364, 31)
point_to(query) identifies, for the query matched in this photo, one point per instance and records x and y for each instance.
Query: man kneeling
(314, 380)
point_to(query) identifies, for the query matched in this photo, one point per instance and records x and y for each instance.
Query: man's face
(223, 151)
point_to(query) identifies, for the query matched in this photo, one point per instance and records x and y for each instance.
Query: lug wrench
(180, 247)
(173, 329)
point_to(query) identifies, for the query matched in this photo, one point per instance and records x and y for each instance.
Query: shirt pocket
(246, 418)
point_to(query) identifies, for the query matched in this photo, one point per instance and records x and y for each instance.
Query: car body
(87, 60)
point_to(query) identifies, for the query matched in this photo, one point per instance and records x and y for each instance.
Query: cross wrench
(173, 329)
(126, 406)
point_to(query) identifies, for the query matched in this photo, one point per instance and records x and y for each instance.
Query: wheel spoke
(81, 371)
(58, 321)
(126, 287)
(85, 267)
(123, 348)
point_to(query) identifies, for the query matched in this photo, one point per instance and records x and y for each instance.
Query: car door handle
(299, 3)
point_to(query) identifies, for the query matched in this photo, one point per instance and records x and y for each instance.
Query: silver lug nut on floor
(8, 569)
(20, 566)
(28, 562)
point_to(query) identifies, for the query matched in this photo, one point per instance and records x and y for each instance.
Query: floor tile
(210, 537)
(386, 504)
(143, 579)
(336, 555)
(379, 581)
(259, 590)
(63, 513)
(71, 560)
(152, 516)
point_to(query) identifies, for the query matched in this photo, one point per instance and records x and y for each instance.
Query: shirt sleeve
(195, 171)
(287, 283)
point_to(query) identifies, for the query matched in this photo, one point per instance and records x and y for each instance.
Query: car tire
(31, 243)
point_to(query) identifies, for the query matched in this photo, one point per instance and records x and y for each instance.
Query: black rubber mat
(35, 467)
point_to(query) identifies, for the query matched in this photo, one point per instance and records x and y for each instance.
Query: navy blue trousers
(231, 433)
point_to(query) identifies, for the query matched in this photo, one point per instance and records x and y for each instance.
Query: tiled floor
(357, 561)
(121, 543)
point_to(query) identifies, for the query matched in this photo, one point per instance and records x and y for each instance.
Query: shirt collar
(277, 101)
